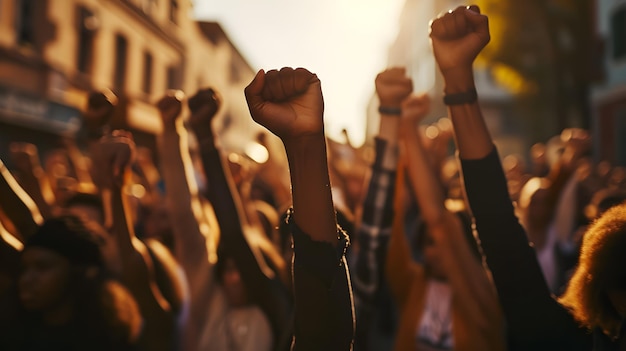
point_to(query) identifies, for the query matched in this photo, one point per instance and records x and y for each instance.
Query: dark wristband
(393, 111)
(463, 98)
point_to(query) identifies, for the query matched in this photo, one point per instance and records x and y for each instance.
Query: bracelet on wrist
(466, 97)
(392, 111)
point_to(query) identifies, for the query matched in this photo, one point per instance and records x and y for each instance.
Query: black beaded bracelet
(393, 111)
(463, 98)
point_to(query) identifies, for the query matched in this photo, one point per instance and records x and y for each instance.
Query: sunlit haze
(345, 42)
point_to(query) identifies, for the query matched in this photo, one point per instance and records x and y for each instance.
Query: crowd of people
(109, 246)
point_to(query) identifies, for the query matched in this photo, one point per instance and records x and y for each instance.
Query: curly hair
(600, 269)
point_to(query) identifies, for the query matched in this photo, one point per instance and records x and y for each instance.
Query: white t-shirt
(434, 331)
(235, 329)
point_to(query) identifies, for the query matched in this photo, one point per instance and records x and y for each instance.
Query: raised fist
(415, 108)
(203, 106)
(100, 107)
(287, 102)
(458, 36)
(115, 153)
(170, 106)
(26, 158)
(393, 86)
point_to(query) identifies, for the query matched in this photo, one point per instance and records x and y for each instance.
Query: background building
(412, 49)
(53, 53)
(609, 94)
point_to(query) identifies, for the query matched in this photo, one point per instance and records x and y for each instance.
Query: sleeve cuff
(321, 259)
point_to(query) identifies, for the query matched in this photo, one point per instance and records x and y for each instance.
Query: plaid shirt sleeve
(375, 229)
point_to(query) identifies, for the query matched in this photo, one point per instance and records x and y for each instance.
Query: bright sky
(345, 42)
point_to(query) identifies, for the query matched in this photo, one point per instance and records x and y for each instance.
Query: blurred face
(233, 284)
(108, 244)
(44, 279)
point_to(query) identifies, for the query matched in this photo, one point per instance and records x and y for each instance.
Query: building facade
(53, 53)
(609, 94)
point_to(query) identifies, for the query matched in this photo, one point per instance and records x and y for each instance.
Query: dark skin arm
(534, 319)
(114, 156)
(290, 104)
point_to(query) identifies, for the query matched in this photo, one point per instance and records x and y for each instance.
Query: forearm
(313, 206)
(221, 190)
(181, 195)
(423, 178)
(17, 205)
(399, 261)
(137, 267)
(472, 136)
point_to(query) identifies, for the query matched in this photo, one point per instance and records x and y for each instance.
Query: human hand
(203, 106)
(287, 102)
(457, 38)
(114, 155)
(415, 108)
(577, 145)
(100, 108)
(393, 86)
(26, 159)
(170, 106)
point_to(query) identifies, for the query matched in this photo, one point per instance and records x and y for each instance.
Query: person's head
(534, 205)
(603, 200)
(58, 262)
(88, 207)
(229, 276)
(430, 254)
(596, 294)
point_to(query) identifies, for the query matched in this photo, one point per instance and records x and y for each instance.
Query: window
(24, 22)
(174, 77)
(618, 33)
(87, 25)
(174, 11)
(121, 52)
(147, 73)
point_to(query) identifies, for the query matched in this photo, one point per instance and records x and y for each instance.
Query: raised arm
(250, 259)
(289, 103)
(18, 207)
(464, 271)
(195, 240)
(114, 156)
(392, 86)
(32, 177)
(534, 319)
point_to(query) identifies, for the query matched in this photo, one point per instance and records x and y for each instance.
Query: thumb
(254, 89)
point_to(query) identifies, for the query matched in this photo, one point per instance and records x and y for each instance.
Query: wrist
(389, 103)
(304, 141)
(458, 80)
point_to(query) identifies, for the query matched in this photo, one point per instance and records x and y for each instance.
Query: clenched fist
(288, 102)
(203, 106)
(393, 86)
(115, 153)
(415, 108)
(458, 36)
(170, 107)
(100, 108)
